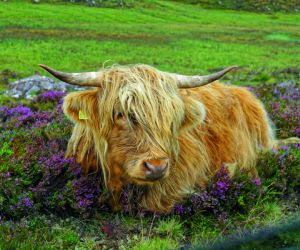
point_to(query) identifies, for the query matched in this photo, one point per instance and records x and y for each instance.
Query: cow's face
(148, 115)
(147, 147)
(134, 117)
(144, 157)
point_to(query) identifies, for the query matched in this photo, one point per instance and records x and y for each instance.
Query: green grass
(129, 232)
(171, 36)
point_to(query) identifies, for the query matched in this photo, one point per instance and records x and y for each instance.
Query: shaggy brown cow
(143, 126)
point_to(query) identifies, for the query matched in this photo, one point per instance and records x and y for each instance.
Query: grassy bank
(171, 36)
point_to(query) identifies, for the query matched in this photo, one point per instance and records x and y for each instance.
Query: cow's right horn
(81, 79)
(197, 81)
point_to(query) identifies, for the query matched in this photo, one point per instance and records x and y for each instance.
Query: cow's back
(236, 126)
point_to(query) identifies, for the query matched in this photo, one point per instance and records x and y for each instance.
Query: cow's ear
(81, 106)
(194, 113)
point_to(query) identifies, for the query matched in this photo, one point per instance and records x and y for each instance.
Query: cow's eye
(119, 115)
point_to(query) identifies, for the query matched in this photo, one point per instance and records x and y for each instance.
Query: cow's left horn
(197, 81)
(81, 79)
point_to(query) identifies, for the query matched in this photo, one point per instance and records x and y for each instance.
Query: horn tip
(43, 66)
(47, 68)
(233, 67)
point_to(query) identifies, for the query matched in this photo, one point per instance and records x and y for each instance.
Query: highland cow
(167, 132)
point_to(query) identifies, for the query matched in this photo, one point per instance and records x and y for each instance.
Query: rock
(33, 85)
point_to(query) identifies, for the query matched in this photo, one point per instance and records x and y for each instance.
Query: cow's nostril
(148, 166)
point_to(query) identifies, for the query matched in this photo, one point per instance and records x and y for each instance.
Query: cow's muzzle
(155, 169)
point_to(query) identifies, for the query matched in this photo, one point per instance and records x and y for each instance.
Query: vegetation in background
(171, 36)
(249, 5)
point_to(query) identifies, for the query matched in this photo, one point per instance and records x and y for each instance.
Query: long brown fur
(197, 129)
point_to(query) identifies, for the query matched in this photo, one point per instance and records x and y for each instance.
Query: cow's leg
(115, 185)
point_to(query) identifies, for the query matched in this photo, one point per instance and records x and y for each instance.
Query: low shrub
(223, 196)
(282, 103)
(280, 170)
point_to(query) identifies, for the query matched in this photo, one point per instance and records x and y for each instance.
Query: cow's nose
(155, 169)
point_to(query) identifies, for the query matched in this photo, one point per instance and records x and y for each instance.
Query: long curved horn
(197, 81)
(81, 79)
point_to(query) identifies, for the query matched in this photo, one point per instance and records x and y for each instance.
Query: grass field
(173, 37)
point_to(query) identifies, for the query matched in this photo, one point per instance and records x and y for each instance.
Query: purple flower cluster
(35, 120)
(282, 103)
(50, 96)
(24, 203)
(23, 116)
(222, 196)
(54, 164)
(37, 176)
(86, 191)
(47, 180)
(281, 170)
(19, 110)
(215, 193)
(256, 181)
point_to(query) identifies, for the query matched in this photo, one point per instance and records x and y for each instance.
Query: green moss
(156, 244)
(6, 150)
(172, 228)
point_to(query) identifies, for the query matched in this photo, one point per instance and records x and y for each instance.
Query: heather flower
(256, 181)
(86, 191)
(19, 110)
(50, 96)
(282, 103)
(35, 120)
(179, 209)
(25, 202)
(222, 196)
(23, 116)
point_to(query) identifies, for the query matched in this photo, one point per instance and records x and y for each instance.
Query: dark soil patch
(77, 34)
